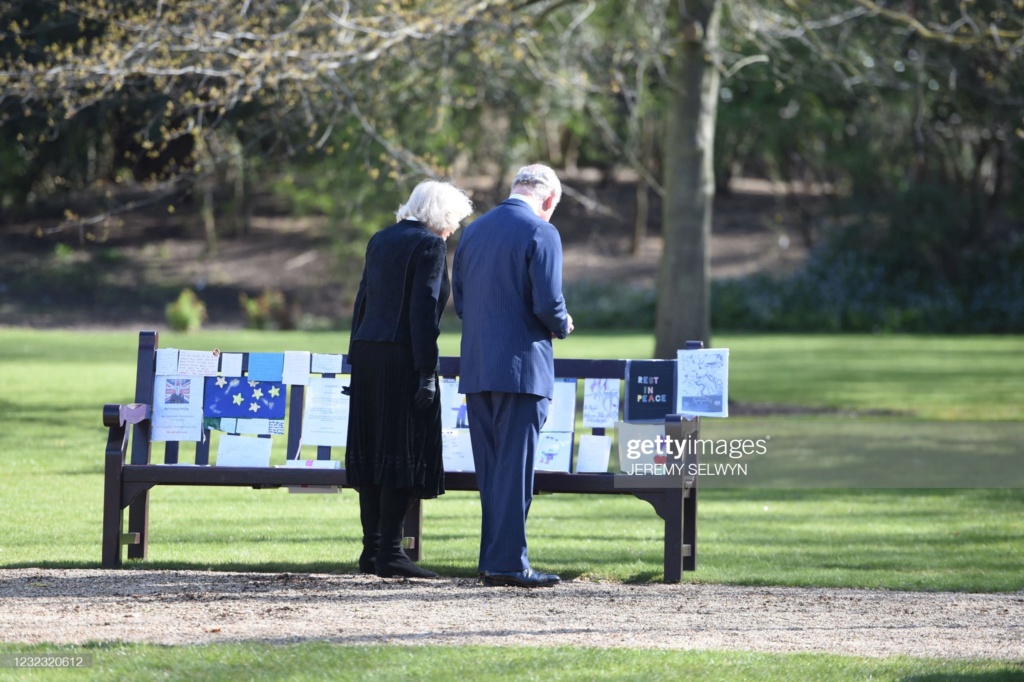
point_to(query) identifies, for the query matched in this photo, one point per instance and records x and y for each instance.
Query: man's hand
(426, 392)
(570, 328)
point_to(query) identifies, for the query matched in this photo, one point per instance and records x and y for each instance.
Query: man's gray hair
(438, 205)
(537, 180)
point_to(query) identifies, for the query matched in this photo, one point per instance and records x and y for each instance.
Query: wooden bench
(130, 472)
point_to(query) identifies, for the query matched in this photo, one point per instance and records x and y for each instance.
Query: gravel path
(189, 607)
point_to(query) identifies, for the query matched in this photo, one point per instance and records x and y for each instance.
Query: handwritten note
(231, 364)
(166, 361)
(601, 403)
(324, 363)
(296, 367)
(198, 363)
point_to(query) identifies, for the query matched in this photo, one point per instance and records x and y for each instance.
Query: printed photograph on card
(177, 408)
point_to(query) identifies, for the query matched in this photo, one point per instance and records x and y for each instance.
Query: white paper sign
(601, 403)
(324, 363)
(703, 382)
(562, 412)
(454, 414)
(594, 453)
(296, 368)
(457, 450)
(243, 451)
(231, 364)
(554, 452)
(198, 363)
(325, 420)
(177, 408)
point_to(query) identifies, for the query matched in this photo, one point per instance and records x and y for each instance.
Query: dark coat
(403, 291)
(507, 282)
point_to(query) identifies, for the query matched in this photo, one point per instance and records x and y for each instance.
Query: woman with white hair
(394, 429)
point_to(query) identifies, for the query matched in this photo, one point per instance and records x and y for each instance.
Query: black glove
(426, 392)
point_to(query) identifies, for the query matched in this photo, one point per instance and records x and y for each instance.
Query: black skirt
(389, 442)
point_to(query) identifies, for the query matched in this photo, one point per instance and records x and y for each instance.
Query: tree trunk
(684, 279)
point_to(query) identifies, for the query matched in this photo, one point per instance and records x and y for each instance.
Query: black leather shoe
(527, 578)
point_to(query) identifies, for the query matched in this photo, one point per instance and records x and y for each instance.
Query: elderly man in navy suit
(507, 287)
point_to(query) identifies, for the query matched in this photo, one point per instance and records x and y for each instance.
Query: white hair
(438, 205)
(538, 181)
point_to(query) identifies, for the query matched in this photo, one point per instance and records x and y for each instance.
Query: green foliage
(187, 313)
(269, 310)
(903, 278)
(610, 305)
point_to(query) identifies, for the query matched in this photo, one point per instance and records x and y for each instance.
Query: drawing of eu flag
(240, 398)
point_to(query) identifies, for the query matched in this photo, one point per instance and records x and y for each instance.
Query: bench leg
(138, 522)
(690, 530)
(113, 518)
(670, 506)
(413, 540)
(674, 545)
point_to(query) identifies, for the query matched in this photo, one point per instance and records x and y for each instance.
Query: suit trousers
(504, 429)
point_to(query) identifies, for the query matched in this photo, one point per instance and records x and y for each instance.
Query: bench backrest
(449, 367)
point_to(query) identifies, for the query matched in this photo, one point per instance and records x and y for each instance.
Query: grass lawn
(53, 384)
(322, 661)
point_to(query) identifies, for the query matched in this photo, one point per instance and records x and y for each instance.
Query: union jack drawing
(177, 391)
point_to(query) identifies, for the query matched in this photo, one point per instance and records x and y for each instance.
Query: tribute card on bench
(325, 420)
(231, 364)
(594, 454)
(266, 366)
(601, 403)
(244, 399)
(703, 382)
(177, 408)
(454, 414)
(202, 363)
(325, 363)
(166, 361)
(554, 451)
(650, 390)
(296, 367)
(457, 450)
(562, 411)
(243, 451)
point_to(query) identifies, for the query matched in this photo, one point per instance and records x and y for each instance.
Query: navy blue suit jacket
(403, 292)
(507, 287)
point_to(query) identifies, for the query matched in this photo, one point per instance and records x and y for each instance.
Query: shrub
(187, 313)
(269, 310)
